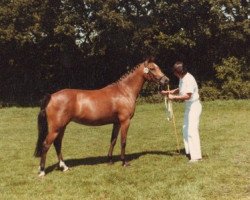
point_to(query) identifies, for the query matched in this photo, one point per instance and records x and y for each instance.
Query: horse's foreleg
(46, 145)
(124, 130)
(115, 131)
(58, 147)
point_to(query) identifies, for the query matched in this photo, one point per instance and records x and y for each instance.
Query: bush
(209, 92)
(232, 79)
(150, 93)
(236, 90)
(154, 98)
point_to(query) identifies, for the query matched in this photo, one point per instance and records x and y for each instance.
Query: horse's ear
(151, 59)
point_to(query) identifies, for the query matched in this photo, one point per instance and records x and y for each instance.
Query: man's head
(179, 69)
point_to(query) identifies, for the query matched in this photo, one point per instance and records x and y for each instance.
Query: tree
(48, 45)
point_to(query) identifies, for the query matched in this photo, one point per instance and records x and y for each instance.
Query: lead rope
(170, 117)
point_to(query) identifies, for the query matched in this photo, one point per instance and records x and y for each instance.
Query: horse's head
(152, 72)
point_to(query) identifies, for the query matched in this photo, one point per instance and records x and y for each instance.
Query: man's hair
(180, 67)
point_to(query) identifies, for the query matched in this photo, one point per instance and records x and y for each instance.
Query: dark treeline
(47, 45)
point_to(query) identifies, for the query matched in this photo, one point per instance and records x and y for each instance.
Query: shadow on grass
(104, 159)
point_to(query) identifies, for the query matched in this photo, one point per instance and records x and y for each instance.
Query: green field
(156, 171)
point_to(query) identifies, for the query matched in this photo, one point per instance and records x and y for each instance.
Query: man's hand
(168, 93)
(171, 97)
(165, 92)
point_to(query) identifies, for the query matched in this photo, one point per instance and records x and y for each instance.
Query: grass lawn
(156, 171)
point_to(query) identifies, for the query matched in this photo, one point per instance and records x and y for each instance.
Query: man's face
(177, 74)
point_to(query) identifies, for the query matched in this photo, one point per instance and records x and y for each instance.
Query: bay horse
(113, 104)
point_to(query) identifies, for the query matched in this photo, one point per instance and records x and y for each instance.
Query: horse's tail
(42, 126)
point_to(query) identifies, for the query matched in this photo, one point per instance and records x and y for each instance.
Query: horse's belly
(95, 121)
(96, 118)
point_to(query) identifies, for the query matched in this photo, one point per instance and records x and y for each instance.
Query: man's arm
(184, 97)
(167, 92)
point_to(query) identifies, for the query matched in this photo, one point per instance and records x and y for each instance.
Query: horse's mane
(131, 70)
(149, 59)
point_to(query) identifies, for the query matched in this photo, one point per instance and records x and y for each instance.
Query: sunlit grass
(156, 172)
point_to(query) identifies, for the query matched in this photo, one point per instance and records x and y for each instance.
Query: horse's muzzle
(164, 80)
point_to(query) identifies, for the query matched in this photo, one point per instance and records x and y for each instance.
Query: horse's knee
(46, 147)
(113, 142)
(123, 144)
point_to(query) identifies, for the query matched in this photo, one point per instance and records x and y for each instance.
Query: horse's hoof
(63, 166)
(41, 174)
(65, 169)
(126, 164)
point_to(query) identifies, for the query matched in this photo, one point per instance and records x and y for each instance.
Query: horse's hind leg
(46, 145)
(58, 147)
(115, 131)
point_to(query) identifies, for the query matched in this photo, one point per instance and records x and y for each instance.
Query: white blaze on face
(156, 66)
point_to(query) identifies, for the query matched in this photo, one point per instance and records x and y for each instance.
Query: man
(188, 92)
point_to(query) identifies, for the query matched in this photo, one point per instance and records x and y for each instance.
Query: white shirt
(188, 84)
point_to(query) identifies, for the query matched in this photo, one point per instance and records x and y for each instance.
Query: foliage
(209, 92)
(49, 45)
(233, 79)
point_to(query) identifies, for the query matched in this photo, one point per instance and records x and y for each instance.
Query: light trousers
(191, 129)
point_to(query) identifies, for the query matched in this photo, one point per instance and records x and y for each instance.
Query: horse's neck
(133, 83)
